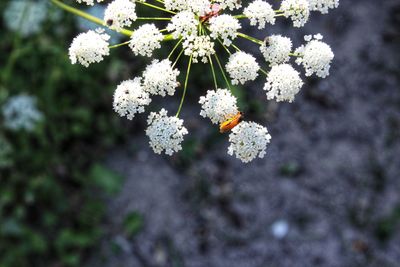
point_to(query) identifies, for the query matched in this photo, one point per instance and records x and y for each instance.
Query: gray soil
(332, 170)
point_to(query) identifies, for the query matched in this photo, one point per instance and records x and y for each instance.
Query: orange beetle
(231, 123)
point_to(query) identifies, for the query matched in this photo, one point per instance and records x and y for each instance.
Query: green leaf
(133, 223)
(106, 179)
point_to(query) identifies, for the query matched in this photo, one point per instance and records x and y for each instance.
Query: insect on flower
(215, 11)
(231, 123)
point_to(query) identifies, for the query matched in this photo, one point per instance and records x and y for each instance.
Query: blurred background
(80, 187)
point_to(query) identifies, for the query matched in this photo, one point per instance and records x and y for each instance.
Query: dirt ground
(331, 174)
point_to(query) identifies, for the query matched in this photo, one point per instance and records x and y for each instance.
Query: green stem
(156, 7)
(223, 72)
(252, 39)
(151, 18)
(242, 16)
(179, 56)
(213, 72)
(175, 47)
(185, 86)
(222, 44)
(118, 45)
(85, 15)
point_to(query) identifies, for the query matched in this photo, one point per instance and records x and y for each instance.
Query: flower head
(119, 14)
(283, 83)
(160, 78)
(297, 10)
(230, 4)
(316, 57)
(242, 67)
(183, 24)
(130, 98)
(224, 27)
(260, 12)
(145, 40)
(199, 7)
(198, 47)
(89, 47)
(165, 133)
(196, 29)
(323, 6)
(88, 2)
(276, 49)
(20, 113)
(248, 140)
(218, 105)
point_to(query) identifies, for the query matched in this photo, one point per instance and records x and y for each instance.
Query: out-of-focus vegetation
(52, 185)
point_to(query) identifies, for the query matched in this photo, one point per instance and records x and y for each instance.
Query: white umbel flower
(283, 83)
(323, 6)
(199, 7)
(119, 14)
(89, 47)
(242, 67)
(145, 40)
(198, 47)
(248, 140)
(88, 2)
(218, 105)
(316, 57)
(224, 27)
(21, 113)
(260, 12)
(160, 78)
(297, 10)
(231, 4)
(165, 133)
(183, 24)
(130, 98)
(276, 49)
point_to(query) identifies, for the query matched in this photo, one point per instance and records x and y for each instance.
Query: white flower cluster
(297, 10)
(21, 113)
(260, 12)
(199, 7)
(199, 47)
(160, 78)
(276, 49)
(231, 4)
(197, 27)
(183, 25)
(242, 67)
(323, 6)
(88, 2)
(89, 47)
(218, 105)
(165, 133)
(315, 56)
(283, 83)
(130, 98)
(224, 27)
(248, 140)
(119, 14)
(145, 40)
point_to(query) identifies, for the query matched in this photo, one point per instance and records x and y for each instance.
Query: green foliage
(52, 185)
(133, 223)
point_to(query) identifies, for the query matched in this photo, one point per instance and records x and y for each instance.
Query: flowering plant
(197, 27)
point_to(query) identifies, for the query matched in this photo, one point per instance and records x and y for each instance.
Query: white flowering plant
(198, 28)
